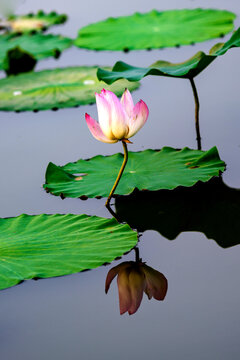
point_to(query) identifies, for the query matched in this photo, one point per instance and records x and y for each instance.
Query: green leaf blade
(40, 46)
(156, 29)
(146, 170)
(55, 89)
(222, 48)
(187, 69)
(44, 246)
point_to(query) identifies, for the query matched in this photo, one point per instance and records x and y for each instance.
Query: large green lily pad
(44, 246)
(211, 208)
(156, 29)
(187, 69)
(34, 22)
(39, 45)
(148, 169)
(53, 89)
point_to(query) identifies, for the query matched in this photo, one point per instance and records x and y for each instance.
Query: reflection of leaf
(40, 46)
(35, 22)
(156, 29)
(18, 61)
(149, 169)
(211, 208)
(58, 88)
(45, 246)
(187, 69)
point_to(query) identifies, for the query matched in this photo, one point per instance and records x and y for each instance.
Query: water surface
(71, 317)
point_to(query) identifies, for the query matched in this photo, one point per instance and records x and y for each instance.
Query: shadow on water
(211, 208)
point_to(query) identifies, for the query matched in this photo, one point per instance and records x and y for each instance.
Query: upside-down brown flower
(133, 279)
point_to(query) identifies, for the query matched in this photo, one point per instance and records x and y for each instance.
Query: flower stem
(119, 174)
(197, 106)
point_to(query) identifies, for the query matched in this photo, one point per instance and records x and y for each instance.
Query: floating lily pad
(34, 22)
(39, 45)
(148, 169)
(156, 29)
(187, 69)
(53, 89)
(211, 208)
(44, 246)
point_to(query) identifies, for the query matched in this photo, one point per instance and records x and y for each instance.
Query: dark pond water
(71, 317)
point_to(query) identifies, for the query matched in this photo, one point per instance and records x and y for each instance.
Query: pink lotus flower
(118, 119)
(133, 279)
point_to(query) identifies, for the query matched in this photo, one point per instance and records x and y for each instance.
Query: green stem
(197, 106)
(119, 174)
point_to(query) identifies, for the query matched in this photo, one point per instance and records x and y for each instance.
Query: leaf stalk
(197, 106)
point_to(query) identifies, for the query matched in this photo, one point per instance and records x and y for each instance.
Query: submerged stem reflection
(137, 256)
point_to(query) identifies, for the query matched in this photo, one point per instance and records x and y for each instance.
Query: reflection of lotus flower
(134, 278)
(118, 120)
